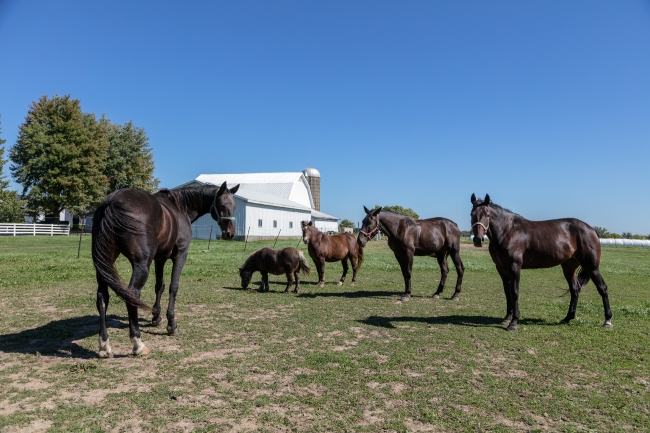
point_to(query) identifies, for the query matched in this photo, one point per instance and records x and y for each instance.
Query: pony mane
(249, 259)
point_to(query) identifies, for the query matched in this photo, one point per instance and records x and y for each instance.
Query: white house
(268, 205)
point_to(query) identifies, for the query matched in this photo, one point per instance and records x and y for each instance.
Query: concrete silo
(313, 179)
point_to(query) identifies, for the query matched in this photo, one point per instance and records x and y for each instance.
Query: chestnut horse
(277, 262)
(434, 237)
(517, 243)
(146, 228)
(325, 248)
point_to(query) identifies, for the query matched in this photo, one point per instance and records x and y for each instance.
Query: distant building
(268, 204)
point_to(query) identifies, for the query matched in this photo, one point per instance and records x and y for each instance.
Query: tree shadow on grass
(58, 338)
(459, 320)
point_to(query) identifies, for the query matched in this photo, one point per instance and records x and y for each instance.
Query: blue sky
(543, 105)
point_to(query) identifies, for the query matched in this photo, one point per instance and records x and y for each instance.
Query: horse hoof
(511, 327)
(405, 298)
(340, 283)
(608, 324)
(175, 331)
(104, 354)
(156, 321)
(142, 351)
(455, 298)
(353, 284)
(321, 284)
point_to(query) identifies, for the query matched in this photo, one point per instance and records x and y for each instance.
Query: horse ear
(473, 199)
(376, 211)
(223, 188)
(487, 199)
(303, 223)
(309, 224)
(366, 209)
(234, 190)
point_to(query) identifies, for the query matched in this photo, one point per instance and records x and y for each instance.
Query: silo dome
(311, 172)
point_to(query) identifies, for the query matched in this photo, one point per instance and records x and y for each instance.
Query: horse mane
(398, 214)
(186, 197)
(493, 205)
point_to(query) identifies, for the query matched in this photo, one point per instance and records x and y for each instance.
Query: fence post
(34, 225)
(246, 242)
(52, 230)
(14, 229)
(210, 237)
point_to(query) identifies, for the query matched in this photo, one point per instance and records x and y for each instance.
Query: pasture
(328, 359)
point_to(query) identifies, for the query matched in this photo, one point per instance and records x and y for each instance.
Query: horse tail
(103, 248)
(359, 257)
(304, 266)
(583, 278)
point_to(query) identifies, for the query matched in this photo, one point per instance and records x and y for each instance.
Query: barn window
(259, 223)
(275, 224)
(290, 224)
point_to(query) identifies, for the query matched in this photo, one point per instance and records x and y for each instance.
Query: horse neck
(388, 223)
(197, 203)
(500, 222)
(317, 235)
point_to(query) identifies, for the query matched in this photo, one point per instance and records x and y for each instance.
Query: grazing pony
(434, 237)
(277, 262)
(325, 248)
(517, 243)
(149, 228)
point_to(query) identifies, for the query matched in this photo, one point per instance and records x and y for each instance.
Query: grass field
(328, 359)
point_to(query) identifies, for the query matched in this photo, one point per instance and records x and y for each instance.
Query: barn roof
(289, 185)
(322, 216)
(269, 199)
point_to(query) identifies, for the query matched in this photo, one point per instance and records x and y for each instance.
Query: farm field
(333, 359)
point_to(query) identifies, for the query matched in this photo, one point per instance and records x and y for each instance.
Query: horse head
(480, 218)
(369, 226)
(308, 230)
(223, 210)
(245, 277)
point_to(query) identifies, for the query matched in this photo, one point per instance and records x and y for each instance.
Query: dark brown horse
(325, 248)
(267, 261)
(146, 228)
(517, 243)
(434, 237)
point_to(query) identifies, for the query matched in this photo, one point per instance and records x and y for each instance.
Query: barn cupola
(313, 179)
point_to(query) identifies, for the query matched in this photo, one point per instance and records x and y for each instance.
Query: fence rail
(15, 229)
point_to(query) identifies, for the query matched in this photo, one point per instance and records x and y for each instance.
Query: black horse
(517, 243)
(434, 237)
(148, 228)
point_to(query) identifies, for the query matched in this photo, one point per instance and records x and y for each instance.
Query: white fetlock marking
(608, 324)
(139, 347)
(105, 350)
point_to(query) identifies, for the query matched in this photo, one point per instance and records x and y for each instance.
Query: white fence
(626, 242)
(11, 229)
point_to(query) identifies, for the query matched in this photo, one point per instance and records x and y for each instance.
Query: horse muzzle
(227, 235)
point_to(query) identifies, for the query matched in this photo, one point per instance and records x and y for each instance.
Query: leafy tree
(401, 210)
(59, 157)
(347, 224)
(602, 232)
(130, 161)
(10, 204)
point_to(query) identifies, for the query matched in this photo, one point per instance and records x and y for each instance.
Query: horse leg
(569, 269)
(320, 268)
(515, 271)
(105, 350)
(444, 270)
(289, 281)
(177, 266)
(355, 267)
(505, 279)
(406, 264)
(265, 281)
(160, 288)
(460, 271)
(297, 275)
(344, 262)
(602, 290)
(138, 280)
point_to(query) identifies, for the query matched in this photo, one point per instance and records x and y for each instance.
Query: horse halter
(216, 211)
(371, 232)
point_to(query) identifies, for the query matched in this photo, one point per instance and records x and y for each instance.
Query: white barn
(268, 204)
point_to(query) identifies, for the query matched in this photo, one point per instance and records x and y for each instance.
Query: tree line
(67, 159)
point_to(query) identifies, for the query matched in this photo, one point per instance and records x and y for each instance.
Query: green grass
(328, 359)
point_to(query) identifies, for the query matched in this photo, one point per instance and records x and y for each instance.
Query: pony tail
(304, 266)
(583, 278)
(359, 257)
(103, 247)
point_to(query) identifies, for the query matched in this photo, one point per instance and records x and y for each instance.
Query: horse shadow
(59, 338)
(454, 319)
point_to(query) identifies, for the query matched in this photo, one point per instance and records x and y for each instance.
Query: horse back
(435, 234)
(334, 248)
(544, 244)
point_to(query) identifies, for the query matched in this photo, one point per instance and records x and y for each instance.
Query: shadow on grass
(58, 338)
(473, 321)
